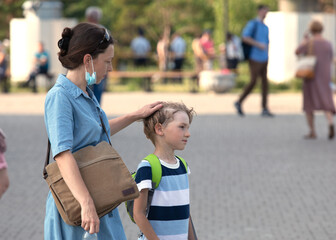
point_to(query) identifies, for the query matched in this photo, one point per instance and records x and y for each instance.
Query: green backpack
(156, 179)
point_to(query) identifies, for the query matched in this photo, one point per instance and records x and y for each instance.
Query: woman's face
(103, 63)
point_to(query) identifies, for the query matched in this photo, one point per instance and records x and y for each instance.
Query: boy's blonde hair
(163, 116)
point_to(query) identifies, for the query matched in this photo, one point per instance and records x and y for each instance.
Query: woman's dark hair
(84, 38)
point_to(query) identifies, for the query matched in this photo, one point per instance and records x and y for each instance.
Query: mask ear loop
(91, 65)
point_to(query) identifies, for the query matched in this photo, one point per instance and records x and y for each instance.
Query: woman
(209, 50)
(4, 180)
(317, 94)
(72, 118)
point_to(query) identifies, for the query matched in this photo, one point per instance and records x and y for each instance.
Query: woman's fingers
(151, 108)
(90, 219)
(85, 226)
(156, 106)
(91, 226)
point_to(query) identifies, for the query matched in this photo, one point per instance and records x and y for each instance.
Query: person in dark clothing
(255, 34)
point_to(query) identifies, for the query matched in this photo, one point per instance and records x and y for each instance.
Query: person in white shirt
(234, 51)
(140, 47)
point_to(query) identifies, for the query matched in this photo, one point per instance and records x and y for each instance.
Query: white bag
(306, 64)
(305, 67)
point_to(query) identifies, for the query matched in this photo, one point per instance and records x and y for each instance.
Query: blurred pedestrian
(178, 48)
(4, 180)
(162, 49)
(3, 68)
(207, 45)
(141, 48)
(199, 54)
(255, 33)
(41, 66)
(94, 15)
(317, 93)
(233, 51)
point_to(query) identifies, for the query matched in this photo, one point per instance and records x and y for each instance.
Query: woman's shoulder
(322, 41)
(56, 90)
(322, 44)
(57, 94)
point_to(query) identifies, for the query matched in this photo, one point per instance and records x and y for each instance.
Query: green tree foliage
(8, 10)
(187, 17)
(220, 11)
(124, 17)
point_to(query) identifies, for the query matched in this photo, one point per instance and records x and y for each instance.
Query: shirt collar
(72, 88)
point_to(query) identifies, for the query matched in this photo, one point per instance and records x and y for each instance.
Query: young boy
(169, 213)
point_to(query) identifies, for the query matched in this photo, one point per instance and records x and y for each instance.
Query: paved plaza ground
(252, 178)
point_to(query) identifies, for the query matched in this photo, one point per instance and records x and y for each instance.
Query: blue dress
(72, 122)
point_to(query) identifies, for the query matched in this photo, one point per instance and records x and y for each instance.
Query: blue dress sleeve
(59, 122)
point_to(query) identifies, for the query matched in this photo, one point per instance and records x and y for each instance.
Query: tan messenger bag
(105, 175)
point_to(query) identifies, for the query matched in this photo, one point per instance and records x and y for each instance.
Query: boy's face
(176, 132)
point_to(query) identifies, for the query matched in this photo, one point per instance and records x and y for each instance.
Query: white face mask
(90, 79)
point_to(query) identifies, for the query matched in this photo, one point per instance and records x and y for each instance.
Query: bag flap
(91, 154)
(54, 174)
(84, 157)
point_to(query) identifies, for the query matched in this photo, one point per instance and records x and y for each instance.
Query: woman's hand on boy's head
(148, 110)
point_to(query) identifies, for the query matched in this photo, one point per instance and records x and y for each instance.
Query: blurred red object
(225, 71)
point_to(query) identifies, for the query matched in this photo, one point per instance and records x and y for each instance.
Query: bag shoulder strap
(310, 46)
(255, 26)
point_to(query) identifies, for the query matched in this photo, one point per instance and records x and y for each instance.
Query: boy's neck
(166, 156)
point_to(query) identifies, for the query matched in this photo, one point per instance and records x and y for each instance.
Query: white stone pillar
(43, 22)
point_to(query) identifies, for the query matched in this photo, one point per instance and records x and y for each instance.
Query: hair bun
(67, 32)
(63, 43)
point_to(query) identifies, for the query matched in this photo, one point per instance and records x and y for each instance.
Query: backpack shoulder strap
(255, 26)
(156, 169)
(184, 163)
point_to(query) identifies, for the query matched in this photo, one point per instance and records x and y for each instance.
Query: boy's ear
(158, 129)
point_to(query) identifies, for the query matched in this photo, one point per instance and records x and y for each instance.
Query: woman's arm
(252, 42)
(300, 48)
(72, 177)
(121, 122)
(304, 42)
(139, 214)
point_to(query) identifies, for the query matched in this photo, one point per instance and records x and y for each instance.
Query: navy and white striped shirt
(169, 211)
